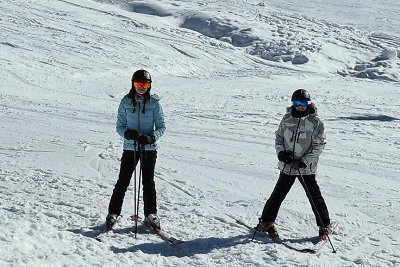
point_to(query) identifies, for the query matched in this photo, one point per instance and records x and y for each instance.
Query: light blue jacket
(151, 122)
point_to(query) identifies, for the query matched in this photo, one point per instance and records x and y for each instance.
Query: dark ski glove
(131, 134)
(285, 157)
(298, 164)
(146, 139)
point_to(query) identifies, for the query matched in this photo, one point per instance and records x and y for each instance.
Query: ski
(278, 240)
(101, 236)
(106, 230)
(321, 243)
(170, 240)
(317, 246)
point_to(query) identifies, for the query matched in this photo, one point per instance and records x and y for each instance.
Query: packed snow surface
(225, 71)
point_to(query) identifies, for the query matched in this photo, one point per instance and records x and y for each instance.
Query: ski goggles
(301, 103)
(142, 84)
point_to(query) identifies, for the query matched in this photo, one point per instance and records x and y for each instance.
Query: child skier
(299, 142)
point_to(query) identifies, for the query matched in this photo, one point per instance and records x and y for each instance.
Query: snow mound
(221, 29)
(272, 49)
(385, 67)
(282, 51)
(387, 54)
(277, 36)
(149, 9)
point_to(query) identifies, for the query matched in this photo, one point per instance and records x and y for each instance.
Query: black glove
(131, 134)
(285, 157)
(146, 139)
(298, 164)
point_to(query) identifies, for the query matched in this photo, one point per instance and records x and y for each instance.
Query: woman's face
(141, 87)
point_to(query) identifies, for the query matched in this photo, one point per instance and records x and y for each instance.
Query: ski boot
(111, 220)
(153, 221)
(268, 228)
(324, 232)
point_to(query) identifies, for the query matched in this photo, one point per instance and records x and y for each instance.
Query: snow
(225, 71)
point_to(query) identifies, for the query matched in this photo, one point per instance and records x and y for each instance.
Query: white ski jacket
(303, 137)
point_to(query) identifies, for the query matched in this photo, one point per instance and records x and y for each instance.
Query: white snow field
(225, 71)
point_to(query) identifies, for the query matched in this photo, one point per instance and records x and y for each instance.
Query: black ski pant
(129, 161)
(282, 188)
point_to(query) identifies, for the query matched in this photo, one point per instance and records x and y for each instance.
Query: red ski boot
(268, 228)
(324, 232)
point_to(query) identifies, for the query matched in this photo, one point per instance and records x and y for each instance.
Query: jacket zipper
(294, 141)
(139, 118)
(138, 122)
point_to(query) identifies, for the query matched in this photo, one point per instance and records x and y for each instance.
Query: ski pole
(135, 215)
(303, 183)
(141, 148)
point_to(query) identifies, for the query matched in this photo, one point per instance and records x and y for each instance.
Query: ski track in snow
(65, 66)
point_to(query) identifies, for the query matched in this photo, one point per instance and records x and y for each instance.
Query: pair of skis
(313, 249)
(170, 240)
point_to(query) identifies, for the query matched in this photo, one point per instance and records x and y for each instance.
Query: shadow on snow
(188, 248)
(370, 118)
(204, 245)
(96, 231)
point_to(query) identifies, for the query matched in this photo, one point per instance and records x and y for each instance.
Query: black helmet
(141, 75)
(300, 94)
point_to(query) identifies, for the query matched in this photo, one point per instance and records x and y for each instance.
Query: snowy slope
(225, 71)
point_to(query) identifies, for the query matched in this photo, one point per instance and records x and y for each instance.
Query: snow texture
(225, 71)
